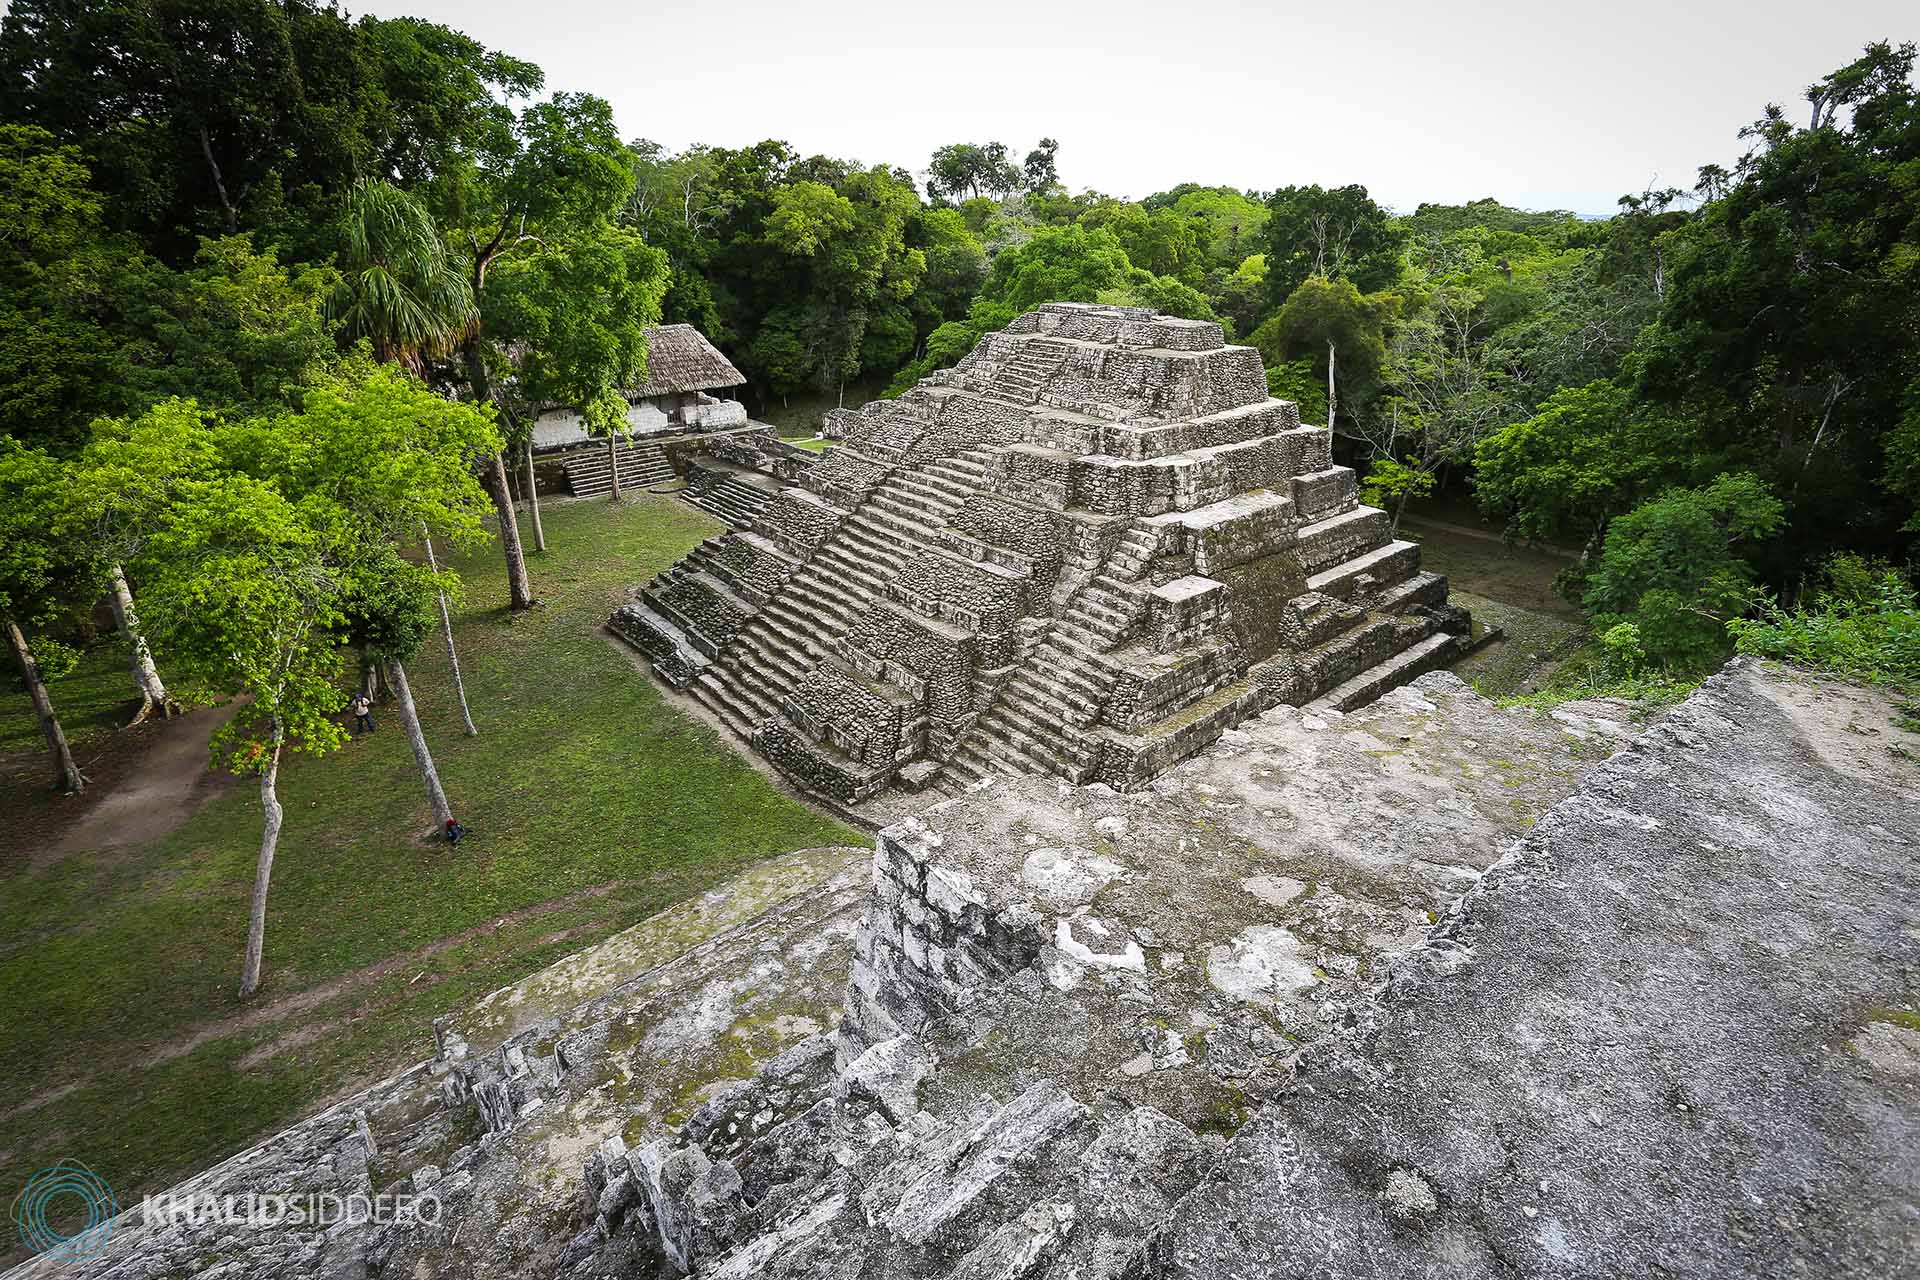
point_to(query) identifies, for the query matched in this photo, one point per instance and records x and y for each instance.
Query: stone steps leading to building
(590, 474)
(1407, 665)
(738, 502)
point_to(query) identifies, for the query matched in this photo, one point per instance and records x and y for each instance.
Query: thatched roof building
(680, 359)
(682, 368)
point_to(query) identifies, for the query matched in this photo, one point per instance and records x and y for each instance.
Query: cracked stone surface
(1661, 1037)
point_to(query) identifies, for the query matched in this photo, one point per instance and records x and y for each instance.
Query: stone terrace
(1086, 551)
(1433, 988)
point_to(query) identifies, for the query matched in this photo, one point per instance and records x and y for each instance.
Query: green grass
(93, 701)
(592, 804)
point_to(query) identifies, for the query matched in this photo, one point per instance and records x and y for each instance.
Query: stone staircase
(589, 473)
(1023, 377)
(1040, 721)
(825, 597)
(733, 497)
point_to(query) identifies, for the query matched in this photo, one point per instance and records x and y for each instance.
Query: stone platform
(1086, 551)
(1430, 988)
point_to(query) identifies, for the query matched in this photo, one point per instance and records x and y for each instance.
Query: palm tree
(399, 290)
(401, 293)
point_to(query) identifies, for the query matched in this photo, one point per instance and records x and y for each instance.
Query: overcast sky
(1541, 104)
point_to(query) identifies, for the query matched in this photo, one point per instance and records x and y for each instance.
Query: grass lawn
(591, 803)
(1510, 588)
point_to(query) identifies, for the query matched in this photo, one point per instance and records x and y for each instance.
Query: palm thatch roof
(679, 358)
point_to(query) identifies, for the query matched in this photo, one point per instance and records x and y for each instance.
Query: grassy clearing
(1510, 588)
(592, 804)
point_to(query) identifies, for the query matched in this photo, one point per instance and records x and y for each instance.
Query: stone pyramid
(1087, 550)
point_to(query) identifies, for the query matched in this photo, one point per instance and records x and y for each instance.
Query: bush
(1669, 568)
(1863, 622)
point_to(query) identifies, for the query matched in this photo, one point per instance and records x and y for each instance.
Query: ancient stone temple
(1087, 550)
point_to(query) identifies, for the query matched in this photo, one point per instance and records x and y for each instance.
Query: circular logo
(67, 1191)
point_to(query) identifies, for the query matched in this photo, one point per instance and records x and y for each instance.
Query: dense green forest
(287, 217)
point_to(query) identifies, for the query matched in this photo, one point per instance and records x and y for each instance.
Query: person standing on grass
(362, 714)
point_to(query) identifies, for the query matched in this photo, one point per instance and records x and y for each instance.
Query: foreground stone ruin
(1085, 552)
(1433, 988)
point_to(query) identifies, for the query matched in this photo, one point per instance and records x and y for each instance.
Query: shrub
(1863, 622)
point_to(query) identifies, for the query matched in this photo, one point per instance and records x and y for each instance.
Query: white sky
(1538, 103)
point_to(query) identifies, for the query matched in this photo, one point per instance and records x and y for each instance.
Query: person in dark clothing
(454, 831)
(362, 714)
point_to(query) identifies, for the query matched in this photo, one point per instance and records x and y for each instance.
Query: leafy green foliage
(1587, 455)
(1671, 568)
(245, 587)
(398, 289)
(578, 313)
(1390, 484)
(1863, 622)
(1339, 234)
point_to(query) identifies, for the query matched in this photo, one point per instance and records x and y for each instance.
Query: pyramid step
(1328, 542)
(1386, 565)
(1402, 667)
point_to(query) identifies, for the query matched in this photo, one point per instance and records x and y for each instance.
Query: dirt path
(166, 785)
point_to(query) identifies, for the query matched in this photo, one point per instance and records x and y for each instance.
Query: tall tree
(389, 603)
(973, 169)
(1340, 234)
(121, 486)
(560, 167)
(1042, 173)
(32, 494)
(247, 591)
(578, 312)
(1789, 320)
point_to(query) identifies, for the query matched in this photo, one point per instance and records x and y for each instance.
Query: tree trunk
(1331, 401)
(146, 677)
(270, 818)
(1399, 509)
(436, 797)
(373, 681)
(533, 502)
(219, 184)
(446, 628)
(519, 588)
(66, 774)
(613, 462)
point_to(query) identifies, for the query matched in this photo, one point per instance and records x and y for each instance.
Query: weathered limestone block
(845, 476)
(818, 765)
(1031, 473)
(939, 660)
(669, 650)
(1320, 494)
(1146, 693)
(755, 566)
(866, 721)
(703, 608)
(1226, 535)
